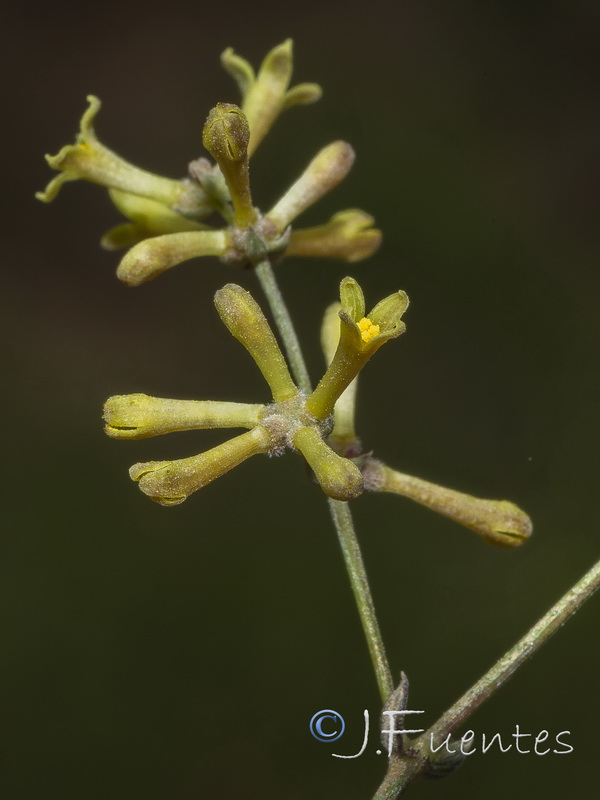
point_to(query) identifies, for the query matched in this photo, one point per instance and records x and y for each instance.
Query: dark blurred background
(152, 653)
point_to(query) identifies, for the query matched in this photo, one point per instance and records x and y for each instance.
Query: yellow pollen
(367, 329)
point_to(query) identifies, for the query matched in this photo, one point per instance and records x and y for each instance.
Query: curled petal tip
(88, 159)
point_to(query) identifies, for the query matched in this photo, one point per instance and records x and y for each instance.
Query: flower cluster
(292, 420)
(166, 217)
(167, 226)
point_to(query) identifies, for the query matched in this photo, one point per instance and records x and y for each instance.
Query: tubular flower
(165, 228)
(266, 95)
(498, 522)
(147, 218)
(286, 422)
(348, 235)
(359, 338)
(151, 257)
(90, 160)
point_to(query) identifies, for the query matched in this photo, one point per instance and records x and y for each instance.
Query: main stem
(404, 770)
(340, 512)
(285, 326)
(342, 518)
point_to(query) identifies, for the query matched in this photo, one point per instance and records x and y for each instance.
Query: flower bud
(171, 482)
(339, 477)
(245, 320)
(225, 136)
(226, 133)
(347, 236)
(151, 257)
(328, 168)
(498, 522)
(138, 416)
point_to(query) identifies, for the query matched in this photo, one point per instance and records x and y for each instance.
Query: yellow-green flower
(266, 95)
(345, 330)
(360, 337)
(90, 160)
(288, 422)
(164, 214)
(348, 236)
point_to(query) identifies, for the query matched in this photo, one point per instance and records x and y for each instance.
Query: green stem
(340, 512)
(342, 518)
(285, 326)
(403, 770)
(516, 656)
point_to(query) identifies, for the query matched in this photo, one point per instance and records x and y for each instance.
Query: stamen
(367, 329)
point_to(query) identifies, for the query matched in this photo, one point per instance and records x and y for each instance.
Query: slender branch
(516, 656)
(285, 326)
(342, 518)
(340, 512)
(403, 770)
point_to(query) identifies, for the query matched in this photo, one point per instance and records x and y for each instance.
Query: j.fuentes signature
(329, 726)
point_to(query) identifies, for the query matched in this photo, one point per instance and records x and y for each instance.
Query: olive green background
(152, 653)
